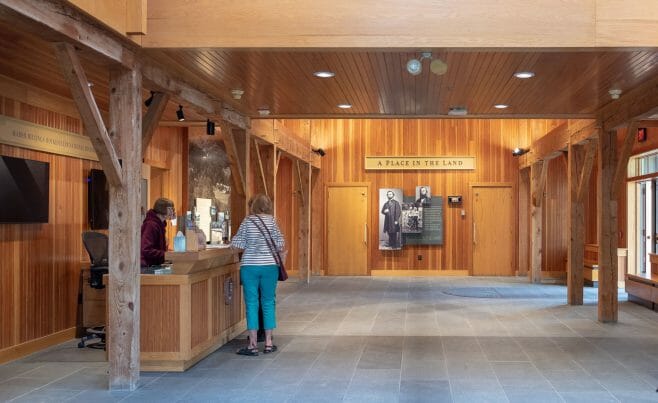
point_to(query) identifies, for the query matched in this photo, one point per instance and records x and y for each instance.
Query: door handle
(475, 241)
(365, 234)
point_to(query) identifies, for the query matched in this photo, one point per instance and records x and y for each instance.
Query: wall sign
(20, 133)
(420, 163)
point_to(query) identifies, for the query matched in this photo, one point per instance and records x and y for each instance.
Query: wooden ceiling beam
(637, 104)
(159, 80)
(75, 26)
(89, 112)
(621, 170)
(648, 123)
(412, 24)
(586, 173)
(69, 24)
(538, 191)
(557, 140)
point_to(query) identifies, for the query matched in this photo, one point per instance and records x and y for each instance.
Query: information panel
(432, 223)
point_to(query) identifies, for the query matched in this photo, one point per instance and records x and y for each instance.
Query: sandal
(269, 349)
(248, 351)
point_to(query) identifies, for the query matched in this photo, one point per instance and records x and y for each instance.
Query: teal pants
(263, 278)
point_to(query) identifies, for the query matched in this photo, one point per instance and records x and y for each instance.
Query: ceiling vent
(458, 111)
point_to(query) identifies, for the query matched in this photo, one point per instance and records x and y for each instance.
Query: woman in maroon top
(154, 242)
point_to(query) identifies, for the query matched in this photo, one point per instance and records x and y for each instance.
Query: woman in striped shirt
(258, 269)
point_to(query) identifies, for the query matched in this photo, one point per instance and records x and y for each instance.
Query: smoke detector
(614, 93)
(263, 111)
(237, 94)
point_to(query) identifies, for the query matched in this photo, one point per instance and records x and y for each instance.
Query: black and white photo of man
(389, 222)
(423, 196)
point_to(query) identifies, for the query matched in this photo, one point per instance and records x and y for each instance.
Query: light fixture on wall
(179, 113)
(210, 127)
(518, 151)
(149, 100)
(319, 151)
(437, 66)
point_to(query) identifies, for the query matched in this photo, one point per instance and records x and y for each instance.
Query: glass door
(647, 222)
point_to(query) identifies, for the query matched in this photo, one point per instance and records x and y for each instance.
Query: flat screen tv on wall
(24, 190)
(98, 200)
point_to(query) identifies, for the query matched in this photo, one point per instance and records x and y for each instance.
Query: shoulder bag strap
(268, 239)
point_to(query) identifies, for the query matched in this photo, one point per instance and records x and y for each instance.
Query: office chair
(96, 244)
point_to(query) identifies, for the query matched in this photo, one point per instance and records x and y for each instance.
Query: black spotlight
(180, 114)
(318, 151)
(210, 128)
(149, 100)
(517, 152)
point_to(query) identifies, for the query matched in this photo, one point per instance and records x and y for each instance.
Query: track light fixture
(149, 100)
(210, 127)
(179, 113)
(517, 152)
(318, 151)
(437, 66)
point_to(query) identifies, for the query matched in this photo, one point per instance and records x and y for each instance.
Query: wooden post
(304, 235)
(524, 222)
(123, 140)
(576, 249)
(125, 221)
(538, 174)
(607, 226)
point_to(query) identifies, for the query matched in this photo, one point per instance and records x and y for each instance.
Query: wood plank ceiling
(375, 82)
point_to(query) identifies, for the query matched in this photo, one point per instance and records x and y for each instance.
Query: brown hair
(160, 205)
(260, 204)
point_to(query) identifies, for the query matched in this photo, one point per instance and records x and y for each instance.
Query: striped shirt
(249, 238)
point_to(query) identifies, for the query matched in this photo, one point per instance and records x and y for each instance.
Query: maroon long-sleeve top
(154, 242)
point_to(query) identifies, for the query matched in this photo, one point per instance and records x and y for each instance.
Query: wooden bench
(591, 265)
(643, 289)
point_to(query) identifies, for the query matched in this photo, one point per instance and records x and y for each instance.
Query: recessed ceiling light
(263, 111)
(500, 106)
(324, 74)
(344, 106)
(524, 74)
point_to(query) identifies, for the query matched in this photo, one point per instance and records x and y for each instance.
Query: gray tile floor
(398, 340)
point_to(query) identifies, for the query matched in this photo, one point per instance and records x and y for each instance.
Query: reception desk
(190, 313)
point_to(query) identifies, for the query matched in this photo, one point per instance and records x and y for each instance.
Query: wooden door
(347, 230)
(493, 230)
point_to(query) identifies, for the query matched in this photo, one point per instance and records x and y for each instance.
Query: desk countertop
(191, 262)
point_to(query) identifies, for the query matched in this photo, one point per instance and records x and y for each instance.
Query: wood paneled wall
(40, 263)
(348, 141)
(555, 236)
(287, 208)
